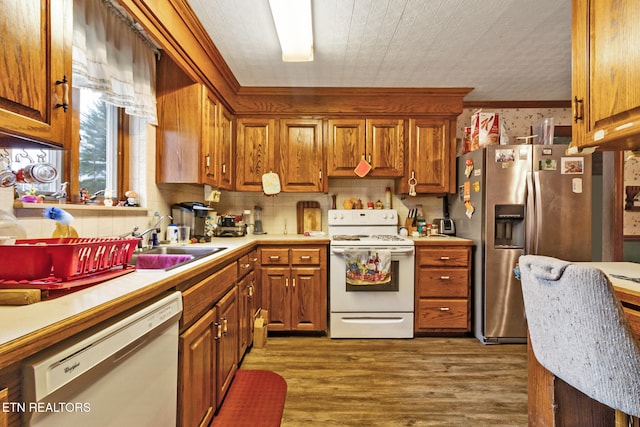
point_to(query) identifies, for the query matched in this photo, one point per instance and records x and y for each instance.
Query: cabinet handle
(305, 257)
(444, 309)
(218, 332)
(294, 283)
(250, 291)
(65, 93)
(320, 174)
(286, 283)
(444, 277)
(578, 109)
(225, 326)
(444, 258)
(274, 257)
(369, 158)
(247, 265)
(253, 259)
(207, 161)
(224, 168)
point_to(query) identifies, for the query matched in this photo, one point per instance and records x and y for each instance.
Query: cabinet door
(385, 147)
(197, 388)
(182, 117)
(246, 310)
(224, 141)
(300, 156)
(210, 142)
(606, 73)
(276, 297)
(255, 152)
(227, 357)
(36, 49)
(306, 300)
(345, 146)
(431, 159)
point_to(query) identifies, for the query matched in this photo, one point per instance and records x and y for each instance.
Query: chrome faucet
(155, 227)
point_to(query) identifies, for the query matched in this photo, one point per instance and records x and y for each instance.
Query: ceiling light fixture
(293, 25)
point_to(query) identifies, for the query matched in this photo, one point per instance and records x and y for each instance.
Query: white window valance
(112, 58)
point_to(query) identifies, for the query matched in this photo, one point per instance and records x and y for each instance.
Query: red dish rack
(49, 263)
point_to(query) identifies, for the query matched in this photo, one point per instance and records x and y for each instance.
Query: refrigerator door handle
(538, 215)
(530, 232)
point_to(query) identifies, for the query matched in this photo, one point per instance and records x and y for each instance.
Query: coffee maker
(193, 215)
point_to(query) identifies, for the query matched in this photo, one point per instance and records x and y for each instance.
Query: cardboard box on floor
(260, 326)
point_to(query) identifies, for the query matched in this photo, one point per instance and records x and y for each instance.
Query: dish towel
(159, 261)
(365, 267)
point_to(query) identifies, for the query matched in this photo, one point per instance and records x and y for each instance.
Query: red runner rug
(256, 398)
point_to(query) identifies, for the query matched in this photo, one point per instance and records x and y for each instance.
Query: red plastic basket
(64, 258)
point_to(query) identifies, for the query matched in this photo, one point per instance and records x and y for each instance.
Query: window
(98, 150)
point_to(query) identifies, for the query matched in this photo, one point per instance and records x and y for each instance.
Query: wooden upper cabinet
(209, 157)
(300, 156)
(345, 146)
(380, 141)
(35, 75)
(224, 149)
(385, 147)
(254, 152)
(431, 157)
(194, 135)
(606, 74)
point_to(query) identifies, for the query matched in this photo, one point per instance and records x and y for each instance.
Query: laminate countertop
(30, 328)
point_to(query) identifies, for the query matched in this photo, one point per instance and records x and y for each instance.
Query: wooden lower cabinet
(442, 293)
(227, 357)
(208, 346)
(248, 300)
(197, 393)
(294, 287)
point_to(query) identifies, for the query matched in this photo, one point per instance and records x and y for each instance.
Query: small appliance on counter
(193, 215)
(230, 226)
(445, 225)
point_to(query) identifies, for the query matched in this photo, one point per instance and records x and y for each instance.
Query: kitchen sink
(169, 257)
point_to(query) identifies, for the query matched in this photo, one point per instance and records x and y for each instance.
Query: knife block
(408, 225)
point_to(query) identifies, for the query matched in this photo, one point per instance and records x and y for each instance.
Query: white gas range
(371, 275)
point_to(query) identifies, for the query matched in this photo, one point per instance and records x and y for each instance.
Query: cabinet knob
(247, 265)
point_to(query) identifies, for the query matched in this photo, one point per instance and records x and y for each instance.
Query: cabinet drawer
(244, 266)
(305, 256)
(633, 317)
(274, 256)
(442, 314)
(441, 257)
(442, 282)
(201, 296)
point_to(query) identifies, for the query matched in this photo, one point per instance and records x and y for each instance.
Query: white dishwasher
(120, 373)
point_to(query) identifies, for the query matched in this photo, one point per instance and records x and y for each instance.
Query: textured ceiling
(507, 50)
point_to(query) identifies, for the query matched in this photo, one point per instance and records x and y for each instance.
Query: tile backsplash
(279, 212)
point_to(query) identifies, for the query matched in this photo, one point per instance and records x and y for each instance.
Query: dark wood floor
(418, 382)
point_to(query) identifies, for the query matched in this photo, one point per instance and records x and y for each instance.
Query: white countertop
(629, 269)
(18, 321)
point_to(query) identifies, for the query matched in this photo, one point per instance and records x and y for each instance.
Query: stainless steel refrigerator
(514, 200)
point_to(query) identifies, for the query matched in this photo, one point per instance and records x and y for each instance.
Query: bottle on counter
(172, 234)
(387, 198)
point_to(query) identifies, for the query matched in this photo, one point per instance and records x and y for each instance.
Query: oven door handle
(407, 251)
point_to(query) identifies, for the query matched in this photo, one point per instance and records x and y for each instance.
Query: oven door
(361, 280)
